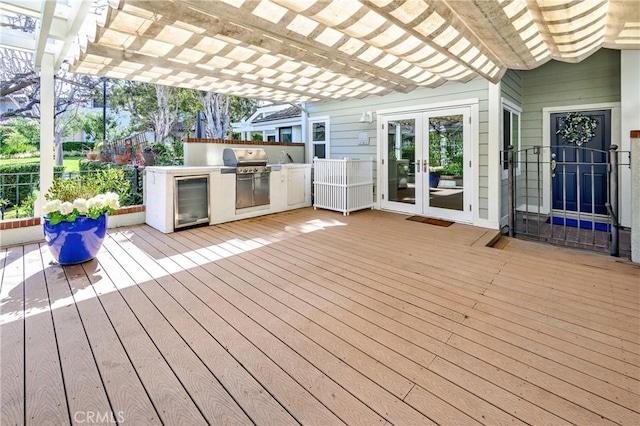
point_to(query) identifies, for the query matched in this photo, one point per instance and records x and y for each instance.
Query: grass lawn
(71, 164)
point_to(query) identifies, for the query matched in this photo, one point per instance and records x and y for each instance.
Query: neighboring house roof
(291, 112)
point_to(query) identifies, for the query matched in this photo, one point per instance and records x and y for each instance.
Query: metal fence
(566, 195)
(18, 192)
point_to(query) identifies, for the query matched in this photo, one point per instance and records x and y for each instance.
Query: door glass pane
(319, 150)
(317, 134)
(401, 155)
(446, 171)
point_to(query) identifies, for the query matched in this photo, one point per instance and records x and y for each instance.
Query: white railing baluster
(343, 185)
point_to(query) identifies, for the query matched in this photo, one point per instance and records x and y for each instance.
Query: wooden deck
(314, 318)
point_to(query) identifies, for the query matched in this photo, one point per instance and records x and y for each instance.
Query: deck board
(12, 337)
(83, 383)
(246, 391)
(311, 317)
(295, 388)
(45, 391)
(121, 381)
(171, 400)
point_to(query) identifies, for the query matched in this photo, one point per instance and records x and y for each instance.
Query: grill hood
(239, 157)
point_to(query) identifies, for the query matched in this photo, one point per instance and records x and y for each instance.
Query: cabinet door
(296, 186)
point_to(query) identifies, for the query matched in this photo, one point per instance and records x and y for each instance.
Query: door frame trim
(474, 153)
(546, 139)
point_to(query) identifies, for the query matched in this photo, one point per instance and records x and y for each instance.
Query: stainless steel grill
(252, 175)
(246, 160)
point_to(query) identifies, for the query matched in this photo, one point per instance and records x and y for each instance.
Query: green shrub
(453, 169)
(17, 181)
(20, 135)
(133, 195)
(89, 185)
(77, 146)
(165, 155)
(178, 148)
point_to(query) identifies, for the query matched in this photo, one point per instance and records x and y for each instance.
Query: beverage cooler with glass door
(191, 201)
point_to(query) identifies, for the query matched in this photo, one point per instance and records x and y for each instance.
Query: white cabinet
(297, 186)
(290, 188)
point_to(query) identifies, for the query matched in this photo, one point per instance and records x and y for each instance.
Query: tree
(20, 135)
(159, 108)
(154, 107)
(216, 110)
(21, 84)
(221, 109)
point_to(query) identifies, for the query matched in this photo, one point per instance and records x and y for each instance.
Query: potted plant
(148, 156)
(104, 156)
(76, 211)
(434, 176)
(122, 159)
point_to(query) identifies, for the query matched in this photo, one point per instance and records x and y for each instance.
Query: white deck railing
(343, 185)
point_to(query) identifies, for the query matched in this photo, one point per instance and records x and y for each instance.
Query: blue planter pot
(434, 179)
(75, 242)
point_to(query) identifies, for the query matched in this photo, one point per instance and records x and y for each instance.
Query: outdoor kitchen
(223, 182)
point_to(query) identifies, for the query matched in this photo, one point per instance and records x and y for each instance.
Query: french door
(426, 163)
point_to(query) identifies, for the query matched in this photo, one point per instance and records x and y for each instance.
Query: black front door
(580, 176)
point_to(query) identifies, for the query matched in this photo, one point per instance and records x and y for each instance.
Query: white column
(304, 121)
(495, 145)
(629, 121)
(635, 196)
(47, 125)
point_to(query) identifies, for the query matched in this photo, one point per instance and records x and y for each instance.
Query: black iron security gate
(565, 195)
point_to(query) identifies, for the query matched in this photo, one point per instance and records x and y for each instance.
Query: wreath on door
(578, 128)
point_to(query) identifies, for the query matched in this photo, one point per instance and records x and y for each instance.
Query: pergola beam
(42, 31)
(78, 12)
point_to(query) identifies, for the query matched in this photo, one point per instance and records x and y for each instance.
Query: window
(510, 136)
(319, 138)
(286, 134)
(271, 138)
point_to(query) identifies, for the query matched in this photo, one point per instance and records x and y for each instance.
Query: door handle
(425, 166)
(417, 166)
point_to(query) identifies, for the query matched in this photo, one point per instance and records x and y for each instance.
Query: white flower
(112, 200)
(66, 208)
(80, 204)
(51, 206)
(96, 202)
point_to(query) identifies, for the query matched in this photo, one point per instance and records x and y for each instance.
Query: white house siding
(346, 127)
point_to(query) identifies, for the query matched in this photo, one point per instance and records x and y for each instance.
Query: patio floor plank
(344, 405)
(629, 354)
(45, 390)
(83, 384)
(567, 408)
(260, 406)
(300, 387)
(121, 381)
(173, 404)
(213, 402)
(412, 370)
(12, 337)
(311, 317)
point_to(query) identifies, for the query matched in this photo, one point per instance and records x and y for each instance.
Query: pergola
(311, 50)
